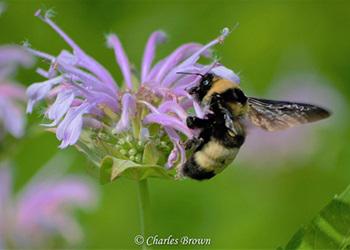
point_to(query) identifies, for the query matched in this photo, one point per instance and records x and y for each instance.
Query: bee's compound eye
(207, 80)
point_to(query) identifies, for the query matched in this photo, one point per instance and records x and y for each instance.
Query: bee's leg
(194, 142)
(217, 103)
(203, 137)
(194, 122)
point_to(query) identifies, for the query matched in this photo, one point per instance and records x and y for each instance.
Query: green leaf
(112, 168)
(330, 229)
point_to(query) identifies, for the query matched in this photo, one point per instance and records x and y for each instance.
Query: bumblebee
(223, 129)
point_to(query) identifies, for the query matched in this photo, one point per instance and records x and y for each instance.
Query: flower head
(11, 94)
(42, 210)
(89, 109)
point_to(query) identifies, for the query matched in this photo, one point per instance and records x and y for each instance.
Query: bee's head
(211, 84)
(205, 84)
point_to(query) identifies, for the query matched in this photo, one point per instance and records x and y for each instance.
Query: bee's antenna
(190, 73)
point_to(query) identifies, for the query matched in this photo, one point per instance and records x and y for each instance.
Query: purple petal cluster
(42, 210)
(81, 90)
(12, 95)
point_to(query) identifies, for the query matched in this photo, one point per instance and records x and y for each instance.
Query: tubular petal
(225, 73)
(128, 111)
(122, 59)
(148, 56)
(89, 62)
(169, 121)
(172, 106)
(38, 91)
(176, 57)
(60, 107)
(41, 54)
(195, 56)
(69, 130)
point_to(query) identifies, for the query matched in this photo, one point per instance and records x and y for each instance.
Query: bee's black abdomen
(192, 170)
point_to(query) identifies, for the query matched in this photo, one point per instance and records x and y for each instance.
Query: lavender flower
(41, 211)
(88, 109)
(11, 94)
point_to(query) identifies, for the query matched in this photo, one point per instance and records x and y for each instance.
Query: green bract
(124, 155)
(112, 168)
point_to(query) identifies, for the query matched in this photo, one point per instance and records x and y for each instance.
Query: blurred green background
(245, 206)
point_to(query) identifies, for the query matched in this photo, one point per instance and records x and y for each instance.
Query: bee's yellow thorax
(219, 86)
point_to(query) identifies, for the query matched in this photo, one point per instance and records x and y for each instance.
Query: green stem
(143, 208)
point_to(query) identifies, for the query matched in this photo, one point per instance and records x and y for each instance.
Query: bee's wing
(277, 115)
